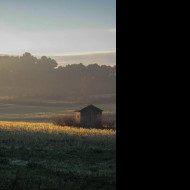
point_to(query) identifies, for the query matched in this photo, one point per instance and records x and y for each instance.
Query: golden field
(49, 128)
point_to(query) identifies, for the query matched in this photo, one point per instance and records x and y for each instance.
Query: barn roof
(87, 107)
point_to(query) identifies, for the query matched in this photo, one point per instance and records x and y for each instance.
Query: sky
(58, 27)
(86, 59)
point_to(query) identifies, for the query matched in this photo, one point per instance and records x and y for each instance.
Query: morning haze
(57, 94)
(87, 59)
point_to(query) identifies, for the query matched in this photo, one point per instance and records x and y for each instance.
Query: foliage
(109, 123)
(28, 77)
(65, 121)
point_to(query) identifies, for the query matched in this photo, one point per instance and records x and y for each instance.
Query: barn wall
(90, 117)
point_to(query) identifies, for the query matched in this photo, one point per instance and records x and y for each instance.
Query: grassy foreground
(44, 156)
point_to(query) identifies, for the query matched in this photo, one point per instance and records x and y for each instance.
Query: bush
(64, 121)
(108, 123)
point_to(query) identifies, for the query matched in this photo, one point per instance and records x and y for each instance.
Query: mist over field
(27, 77)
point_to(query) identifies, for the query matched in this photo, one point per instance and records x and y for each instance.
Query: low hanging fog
(28, 77)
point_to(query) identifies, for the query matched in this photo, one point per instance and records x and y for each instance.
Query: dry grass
(44, 156)
(49, 128)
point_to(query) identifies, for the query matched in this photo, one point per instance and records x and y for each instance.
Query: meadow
(42, 156)
(41, 113)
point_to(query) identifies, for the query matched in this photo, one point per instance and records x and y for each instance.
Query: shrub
(64, 121)
(107, 123)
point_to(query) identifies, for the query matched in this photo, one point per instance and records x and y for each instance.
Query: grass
(44, 156)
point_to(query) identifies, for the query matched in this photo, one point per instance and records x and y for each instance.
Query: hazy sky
(86, 59)
(57, 27)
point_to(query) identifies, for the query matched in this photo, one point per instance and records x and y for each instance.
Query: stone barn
(89, 116)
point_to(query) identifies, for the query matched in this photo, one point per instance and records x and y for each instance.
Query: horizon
(107, 58)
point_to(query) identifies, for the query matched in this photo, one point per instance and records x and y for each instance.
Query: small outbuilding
(89, 115)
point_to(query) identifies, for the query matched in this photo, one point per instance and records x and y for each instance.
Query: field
(42, 156)
(37, 113)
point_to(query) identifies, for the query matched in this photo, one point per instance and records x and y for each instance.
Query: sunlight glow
(64, 42)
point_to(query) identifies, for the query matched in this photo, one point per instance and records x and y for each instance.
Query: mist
(30, 78)
(87, 59)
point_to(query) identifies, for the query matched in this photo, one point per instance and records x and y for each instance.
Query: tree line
(41, 78)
